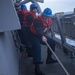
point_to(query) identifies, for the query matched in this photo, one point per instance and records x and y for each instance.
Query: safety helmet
(33, 6)
(47, 12)
(23, 6)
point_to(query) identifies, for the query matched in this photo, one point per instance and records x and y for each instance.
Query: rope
(57, 59)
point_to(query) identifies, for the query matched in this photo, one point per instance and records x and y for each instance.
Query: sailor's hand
(44, 39)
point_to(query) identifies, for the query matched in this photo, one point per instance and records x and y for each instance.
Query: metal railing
(64, 26)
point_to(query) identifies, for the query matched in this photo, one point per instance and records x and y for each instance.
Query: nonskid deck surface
(27, 66)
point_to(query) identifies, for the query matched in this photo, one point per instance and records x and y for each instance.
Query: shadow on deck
(27, 67)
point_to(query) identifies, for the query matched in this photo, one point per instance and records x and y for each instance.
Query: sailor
(39, 29)
(23, 10)
(29, 18)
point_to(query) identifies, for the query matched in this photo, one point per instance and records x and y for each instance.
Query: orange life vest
(21, 14)
(45, 24)
(29, 13)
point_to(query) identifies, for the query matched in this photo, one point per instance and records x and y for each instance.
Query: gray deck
(27, 67)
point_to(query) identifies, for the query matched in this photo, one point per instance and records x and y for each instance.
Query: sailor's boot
(50, 60)
(37, 70)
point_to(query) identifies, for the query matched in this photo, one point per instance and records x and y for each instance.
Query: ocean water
(69, 41)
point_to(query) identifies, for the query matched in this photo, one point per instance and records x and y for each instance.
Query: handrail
(58, 27)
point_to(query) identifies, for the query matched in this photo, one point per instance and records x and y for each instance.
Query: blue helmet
(23, 6)
(32, 6)
(47, 12)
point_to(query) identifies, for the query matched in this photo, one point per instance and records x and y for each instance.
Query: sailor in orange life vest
(23, 10)
(39, 29)
(28, 19)
(21, 13)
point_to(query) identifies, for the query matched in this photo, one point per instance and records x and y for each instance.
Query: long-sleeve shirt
(39, 27)
(30, 19)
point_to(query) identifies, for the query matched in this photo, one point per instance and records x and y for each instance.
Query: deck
(27, 67)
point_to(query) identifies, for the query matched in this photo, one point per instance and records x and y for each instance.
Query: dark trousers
(24, 36)
(36, 45)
